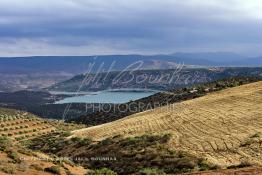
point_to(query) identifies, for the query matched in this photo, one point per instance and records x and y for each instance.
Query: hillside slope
(17, 128)
(225, 126)
(19, 125)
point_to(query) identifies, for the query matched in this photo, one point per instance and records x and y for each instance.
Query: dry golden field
(225, 127)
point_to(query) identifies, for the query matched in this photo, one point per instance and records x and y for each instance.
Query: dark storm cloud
(145, 26)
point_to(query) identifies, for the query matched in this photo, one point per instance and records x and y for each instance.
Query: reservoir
(112, 96)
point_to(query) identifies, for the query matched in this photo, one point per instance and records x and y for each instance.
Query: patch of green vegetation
(146, 140)
(256, 135)
(66, 133)
(55, 142)
(247, 142)
(122, 155)
(53, 170)
(204, 165)
(4, 143)
(143, 151)
(13, 155)
(243, 164)
(75, 139)
(103, 171)
(149, 171)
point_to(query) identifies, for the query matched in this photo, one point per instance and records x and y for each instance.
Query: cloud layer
(85, 27)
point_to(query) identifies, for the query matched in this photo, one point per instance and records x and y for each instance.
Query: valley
(176, 138)
(205, 126)
(130, 87)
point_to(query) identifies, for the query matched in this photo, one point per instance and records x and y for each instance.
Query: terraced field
(20, 125)
(225, 127)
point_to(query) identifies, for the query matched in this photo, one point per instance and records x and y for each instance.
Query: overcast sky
(88, 27)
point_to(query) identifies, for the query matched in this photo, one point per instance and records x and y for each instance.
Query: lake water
(107, 97)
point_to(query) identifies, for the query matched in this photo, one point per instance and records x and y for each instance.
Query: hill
(12, 81)
(151, 79)
(18, 160)
(105, 113)
(18, 127)
(223, 127)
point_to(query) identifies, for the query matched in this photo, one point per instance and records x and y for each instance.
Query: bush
(243, 164)
(103, 171)
(8, 170)
(203, 165)
(106, 141)
(85, 141)
(66, 134)
(148, 171)
(247, 142)
(53, 169)
(14, 156)
(76, 139)
(4, 143)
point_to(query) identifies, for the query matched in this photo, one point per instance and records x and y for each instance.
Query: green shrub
(13, 155)
(85, 141)
(241, 165)
(4, 143)
(106, 141)
(203, 165)
(149, 171)
(76, 139)
(66, 134)
(246, 143)
(53, 169)
(256, 135)
(103, 171)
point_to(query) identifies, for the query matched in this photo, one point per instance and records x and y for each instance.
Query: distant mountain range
(80, 64)
(19, 73)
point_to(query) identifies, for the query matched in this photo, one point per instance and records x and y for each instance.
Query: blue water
(108, 97)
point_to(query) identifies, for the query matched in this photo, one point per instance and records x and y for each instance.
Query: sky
(91, 27)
